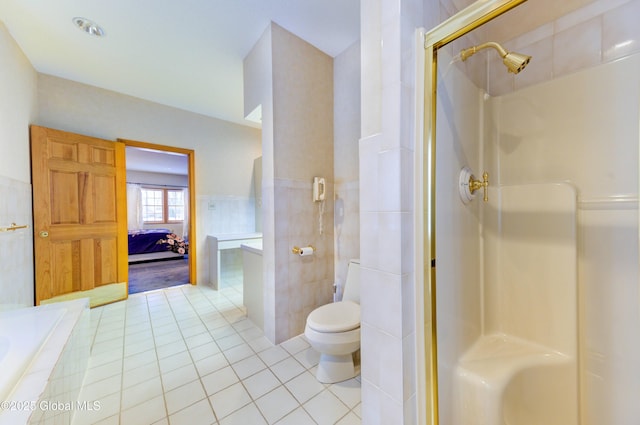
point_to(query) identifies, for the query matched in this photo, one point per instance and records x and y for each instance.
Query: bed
(146, 241)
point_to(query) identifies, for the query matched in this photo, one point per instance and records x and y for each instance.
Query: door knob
(44, 234)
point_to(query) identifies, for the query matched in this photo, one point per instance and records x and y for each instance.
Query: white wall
(224, 151)
(258, 92)
(18, 104)
(346, 128)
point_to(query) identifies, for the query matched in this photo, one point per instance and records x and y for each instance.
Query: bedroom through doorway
(160, 216)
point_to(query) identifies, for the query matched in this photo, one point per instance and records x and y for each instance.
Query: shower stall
(530, 216)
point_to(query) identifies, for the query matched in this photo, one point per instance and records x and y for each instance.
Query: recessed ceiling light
(89, 26)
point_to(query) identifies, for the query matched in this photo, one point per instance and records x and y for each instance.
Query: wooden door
(79, 204)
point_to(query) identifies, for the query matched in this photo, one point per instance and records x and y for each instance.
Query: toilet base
(335, 368)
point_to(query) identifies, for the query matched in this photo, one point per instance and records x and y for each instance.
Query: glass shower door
(537, 287)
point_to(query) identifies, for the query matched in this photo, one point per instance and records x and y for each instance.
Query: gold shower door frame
(465, 21)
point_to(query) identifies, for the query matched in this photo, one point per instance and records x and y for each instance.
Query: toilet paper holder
(299, 251)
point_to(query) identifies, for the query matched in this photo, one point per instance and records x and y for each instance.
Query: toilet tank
(352, 284)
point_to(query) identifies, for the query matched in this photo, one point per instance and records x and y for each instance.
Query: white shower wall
(583, 128)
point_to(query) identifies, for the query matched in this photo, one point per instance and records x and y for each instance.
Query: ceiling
(155, 161)
(187, 54)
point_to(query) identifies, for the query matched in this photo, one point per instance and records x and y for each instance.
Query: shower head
(515, 62)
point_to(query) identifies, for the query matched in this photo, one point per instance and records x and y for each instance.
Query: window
(152, 205)
(175, 205)
(162, 205)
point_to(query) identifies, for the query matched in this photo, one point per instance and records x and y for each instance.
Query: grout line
(204, 389)
(187, 306)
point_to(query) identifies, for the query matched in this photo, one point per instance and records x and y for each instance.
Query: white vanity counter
(217, 243)
(252, 282)
(255, 247)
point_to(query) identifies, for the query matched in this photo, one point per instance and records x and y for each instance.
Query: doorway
(160, 216)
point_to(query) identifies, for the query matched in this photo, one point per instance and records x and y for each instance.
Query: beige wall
(297, 145)
(224, 151)
(18, 104)
(303, 148)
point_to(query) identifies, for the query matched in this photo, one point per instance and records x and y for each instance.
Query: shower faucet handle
(477, 184)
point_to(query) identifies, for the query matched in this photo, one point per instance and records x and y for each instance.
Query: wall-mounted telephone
(318, 189)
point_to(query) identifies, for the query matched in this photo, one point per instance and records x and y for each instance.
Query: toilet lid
(341, 316)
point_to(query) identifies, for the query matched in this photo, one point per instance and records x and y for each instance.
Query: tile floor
(188, 355)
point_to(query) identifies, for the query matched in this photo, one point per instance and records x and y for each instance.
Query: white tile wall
(346, 229)
(620, 34)
(570, 55)
(303, 283)
(597, 33)
(386, 203)
(226, 214)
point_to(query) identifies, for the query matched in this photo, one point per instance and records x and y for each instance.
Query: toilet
(334, 331)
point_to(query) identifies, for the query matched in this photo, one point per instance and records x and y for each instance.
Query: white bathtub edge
(67, 343)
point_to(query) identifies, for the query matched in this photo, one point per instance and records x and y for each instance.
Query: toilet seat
(341, 316)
